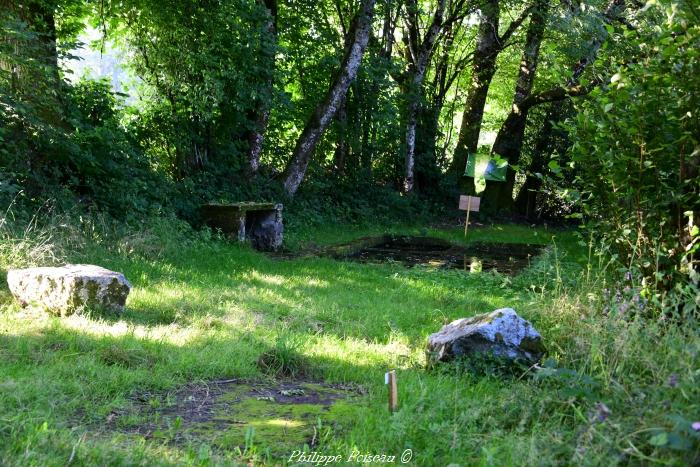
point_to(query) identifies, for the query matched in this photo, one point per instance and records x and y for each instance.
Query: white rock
(502, 333)
(70, 288)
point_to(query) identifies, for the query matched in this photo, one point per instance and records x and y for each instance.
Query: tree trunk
(368, 99)
(40, 16)
(498, 196)
(322, 116)
(549, 138)
(421, 55)
(427, 171)
(526, 200)
(257, 135)
(483, 69)
(40, 76)
(364, 162)
(410, 164)
(341, 147)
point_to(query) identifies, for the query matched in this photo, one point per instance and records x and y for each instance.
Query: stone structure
(501, 333)
(65, 290)
(261, 223)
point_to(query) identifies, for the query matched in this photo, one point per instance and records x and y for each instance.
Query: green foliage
(637, 152)
(206, 67)
(357, 202)
(65, 141)
(485, 365)
(203, 308)
(108, 170)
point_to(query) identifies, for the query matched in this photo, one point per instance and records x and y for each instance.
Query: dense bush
(637, 153)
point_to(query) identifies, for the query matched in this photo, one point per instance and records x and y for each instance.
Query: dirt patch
(236, 414)
(506, 258)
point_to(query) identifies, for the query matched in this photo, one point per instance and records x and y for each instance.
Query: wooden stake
(466, 223)
(393, 390)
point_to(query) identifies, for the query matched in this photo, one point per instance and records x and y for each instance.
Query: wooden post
(469, 203)
(469, 208)
(390, 380)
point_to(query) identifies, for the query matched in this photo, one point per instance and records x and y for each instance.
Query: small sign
(469, 203)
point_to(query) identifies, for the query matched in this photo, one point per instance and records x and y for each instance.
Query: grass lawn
(616, 390)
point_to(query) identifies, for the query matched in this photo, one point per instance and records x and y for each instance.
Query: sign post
(469, 204)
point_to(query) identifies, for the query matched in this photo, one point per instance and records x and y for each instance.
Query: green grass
(206, 309)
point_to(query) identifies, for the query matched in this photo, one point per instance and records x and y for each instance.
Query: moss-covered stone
(65, 290)
(501, 333)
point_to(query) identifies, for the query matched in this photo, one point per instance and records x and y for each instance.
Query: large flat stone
(501, 333)
(70, 288)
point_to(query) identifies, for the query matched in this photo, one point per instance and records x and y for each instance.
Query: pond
(506, 258)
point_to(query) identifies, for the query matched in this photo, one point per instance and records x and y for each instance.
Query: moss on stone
(532, 345)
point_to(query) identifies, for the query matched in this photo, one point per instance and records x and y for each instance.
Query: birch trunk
(422, 54)
(257, 135)
(410, 163)
(322, 116)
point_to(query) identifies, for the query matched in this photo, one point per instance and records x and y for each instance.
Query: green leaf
(659, 440)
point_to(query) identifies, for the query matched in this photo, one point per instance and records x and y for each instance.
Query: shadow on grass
(108, 386)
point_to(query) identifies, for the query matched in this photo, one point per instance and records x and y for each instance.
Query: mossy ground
(231, 415)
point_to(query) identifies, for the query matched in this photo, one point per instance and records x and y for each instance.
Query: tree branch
(514, 25)
(558, 93)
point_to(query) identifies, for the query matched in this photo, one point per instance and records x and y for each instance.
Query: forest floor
(228, 355)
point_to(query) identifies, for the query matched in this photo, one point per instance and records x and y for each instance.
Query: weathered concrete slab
(70, 288)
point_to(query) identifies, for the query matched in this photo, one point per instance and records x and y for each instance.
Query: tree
(201, 105)
(257, 133)
(325, 111)
(488, 46)
(636, 155)
(419, 51)
(510, 136)
(509, 139)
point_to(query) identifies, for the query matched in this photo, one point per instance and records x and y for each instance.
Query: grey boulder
(70, 288)
(501, 333)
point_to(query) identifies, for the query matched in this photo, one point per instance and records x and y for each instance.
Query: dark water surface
(506, 258)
